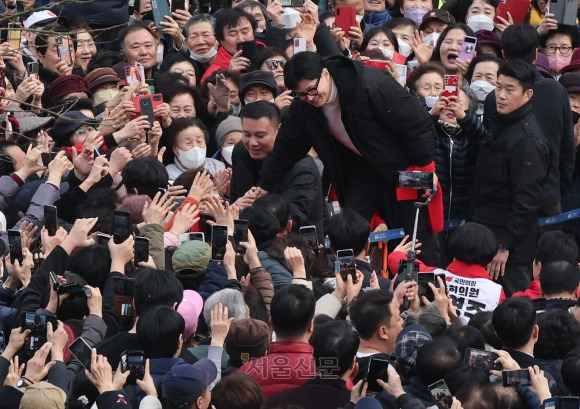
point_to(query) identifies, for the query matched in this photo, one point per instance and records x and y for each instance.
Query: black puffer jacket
(455, 158)
(101, 13)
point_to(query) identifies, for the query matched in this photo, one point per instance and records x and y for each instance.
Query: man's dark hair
(180, 124)
(571, 371)
(556, 245)
(473, 243)
(348, 230)
(519, 70)
(261, 109)
(335, 339)
(559, 333)
(514, 321)
(158, 331)
(231, 18)
(559, 277)
(264, 224)
(104, 59)
(92, 263)
(399, 22)
(435, 359)
(133, 27)
(482, 321)
(305, 65)
(278, 206)
(171, 90)
(292, 310)
(41, 40)
(154, 287)
(520, 41)
(145, 175)
(238, 391)
(481, 58)
(374, 31)
(370, 310)
(468, 337)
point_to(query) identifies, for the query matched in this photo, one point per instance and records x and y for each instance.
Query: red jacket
(222, 61)
(288, 365)
(533, 291)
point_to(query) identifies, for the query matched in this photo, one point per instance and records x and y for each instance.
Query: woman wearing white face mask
(188, 140)
(227, 134)
(480, 14)
(380, 38)
(404, 30)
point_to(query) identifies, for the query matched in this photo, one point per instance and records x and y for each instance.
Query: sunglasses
(273, 64)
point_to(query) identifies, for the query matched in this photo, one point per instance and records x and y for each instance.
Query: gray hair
(432, 320)
(472, 97)
(200, 18)
(228, 297)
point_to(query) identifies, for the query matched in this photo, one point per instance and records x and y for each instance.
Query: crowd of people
(187, 202)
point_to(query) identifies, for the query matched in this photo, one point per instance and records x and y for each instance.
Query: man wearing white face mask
(482, 77)
(188, 139)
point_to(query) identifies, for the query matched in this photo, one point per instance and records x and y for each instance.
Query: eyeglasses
(564, 49)
(273, 64)
(309, 93)
(82, 130)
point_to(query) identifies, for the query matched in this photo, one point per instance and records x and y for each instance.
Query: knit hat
(101, 76)
(228, 125)
(43, 395)
(67, 84)
(486, 37)
(134, 205)
(247, 339)
(570, 81)
(190, 308)
(574, 62)
(190, 260)
(184, 383)
(66, 125)
(409, 340)
(257, 77)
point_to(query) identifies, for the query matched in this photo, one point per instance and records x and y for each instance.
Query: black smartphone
(518, 377)
(124, 310)
(147, 109)
(50, 219)
(141, 250)
(308, 233)
(240, 234)
(6, 165)
(56, 282)
(47, 157)
(32, 68)
(196, 236)
(248, 49)
(103, 238)
(133, 361)
(15, 245)
(205, 227)
(377, 369)
(121, 226)
(441, 393)
(37, 324)
(178, 5)
(479, 358)
(2, 342)
(82, 351)
(423, 280)
(219, 238)
(569, 402)
(347, 264)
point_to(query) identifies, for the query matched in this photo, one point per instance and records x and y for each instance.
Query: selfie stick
(411, 274)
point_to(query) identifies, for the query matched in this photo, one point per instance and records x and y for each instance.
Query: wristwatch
(23, 382)
(501, 248)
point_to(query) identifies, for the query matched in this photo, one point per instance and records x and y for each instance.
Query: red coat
(287, 365)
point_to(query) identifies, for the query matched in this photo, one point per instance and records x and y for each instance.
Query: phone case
(345, 17)
(160, 9)
(517, 9)
(299, 45)
(248, 49)
(467, 48)
(451, 86)
(147, 109)
(564, 11)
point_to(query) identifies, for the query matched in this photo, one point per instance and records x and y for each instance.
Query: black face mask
(575, 117)
(147, 16)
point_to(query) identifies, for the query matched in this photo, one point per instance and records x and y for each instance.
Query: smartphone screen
(422, 281)
(441, 393)
(63, 51)
(308, 233)
(141, 249)
(146, 108)
(82, 351)
(518, 377)
(479, 358)
(124, 310)
(240, 234)
(347, 264)
(37, 324)
(219, 238)
(50, 220)
(15, 244)
(6, 165)
(121, 226)
(415, 179)
(133, 361)
(205, 227)
(377, 369)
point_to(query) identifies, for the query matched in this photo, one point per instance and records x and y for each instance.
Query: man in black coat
(551, 106)
(364, 126)
(301, 186)
(512, 168)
